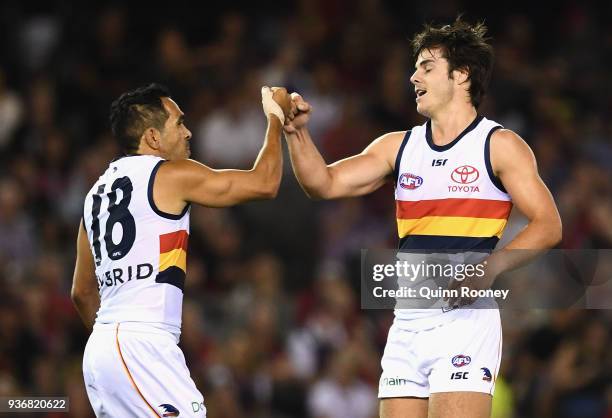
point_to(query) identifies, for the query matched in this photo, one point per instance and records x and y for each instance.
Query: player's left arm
(84, 291)
(515, 165)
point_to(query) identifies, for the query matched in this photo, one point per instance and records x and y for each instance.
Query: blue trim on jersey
(487, 155)
(439, 242)
(83, 218)
(172, 275)
(440, 148)
(398, 157)
(152, 202)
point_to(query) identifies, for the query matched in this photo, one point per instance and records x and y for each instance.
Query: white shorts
(462, 355)
(135, 370)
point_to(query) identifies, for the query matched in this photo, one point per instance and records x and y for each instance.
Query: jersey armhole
(487, 156)
(83, 222)
(83, 215)
(158, 211)
(398, 157)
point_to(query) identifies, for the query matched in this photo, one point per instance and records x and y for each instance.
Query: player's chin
(423, 110)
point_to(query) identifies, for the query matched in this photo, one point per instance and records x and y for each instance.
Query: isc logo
(410, 181)
(459, 376)
(438, 163)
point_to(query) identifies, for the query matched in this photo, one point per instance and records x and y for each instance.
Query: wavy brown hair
(465, 47)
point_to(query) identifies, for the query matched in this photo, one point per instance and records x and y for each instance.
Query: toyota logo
(465, 174)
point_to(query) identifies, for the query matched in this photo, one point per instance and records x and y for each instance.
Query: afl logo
(410, 181)
(465, 174)
(461, 360)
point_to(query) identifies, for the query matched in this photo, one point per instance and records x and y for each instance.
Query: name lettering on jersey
(410, 181)
(118, 276)
(439, 163)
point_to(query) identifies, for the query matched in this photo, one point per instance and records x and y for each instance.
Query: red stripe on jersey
(473, 208)
(173, 241)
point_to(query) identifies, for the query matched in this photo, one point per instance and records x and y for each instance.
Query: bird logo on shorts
(487, 374)
(168, 410)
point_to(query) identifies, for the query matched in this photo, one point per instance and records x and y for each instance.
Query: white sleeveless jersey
(139, 251)
(448, 199)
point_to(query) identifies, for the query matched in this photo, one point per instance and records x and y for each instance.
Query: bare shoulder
(507, 140)
(177, 177)
(509, 149)
(389, 139)
(174, 181)
(386, 145)
(180, 165)
(180, 168)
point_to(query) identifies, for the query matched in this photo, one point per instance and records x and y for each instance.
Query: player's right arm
(354, 176)
(84, 292)
(192, 181)
(187, 181)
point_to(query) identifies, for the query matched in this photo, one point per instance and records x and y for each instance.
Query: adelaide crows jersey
(447, 197)
(139, 251)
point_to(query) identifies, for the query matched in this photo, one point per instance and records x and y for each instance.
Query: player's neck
(144, 149)
(448, 125)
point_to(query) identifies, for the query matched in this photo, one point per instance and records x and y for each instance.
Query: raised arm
(182, 181)
(354, 176)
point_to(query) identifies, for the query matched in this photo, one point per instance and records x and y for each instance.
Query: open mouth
(420, 92)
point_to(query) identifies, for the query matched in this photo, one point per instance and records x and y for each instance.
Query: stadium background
(272, 325)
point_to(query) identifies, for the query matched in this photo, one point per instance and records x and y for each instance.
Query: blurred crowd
(272, 325)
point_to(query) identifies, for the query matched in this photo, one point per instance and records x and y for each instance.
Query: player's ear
(461, 75)
(152, 138)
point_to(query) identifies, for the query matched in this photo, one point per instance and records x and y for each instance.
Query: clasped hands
(290, 109)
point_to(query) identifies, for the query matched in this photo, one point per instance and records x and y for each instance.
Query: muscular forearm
(538, 236)
(309, 166)
(268, 166)
(87, 305)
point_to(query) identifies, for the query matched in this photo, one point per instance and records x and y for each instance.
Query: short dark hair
(135, 111)
(465, 47)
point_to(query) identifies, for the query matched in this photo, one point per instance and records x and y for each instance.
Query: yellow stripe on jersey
(457, 226)
(176, 258)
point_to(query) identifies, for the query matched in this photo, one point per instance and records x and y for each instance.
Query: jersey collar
(448, 146)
